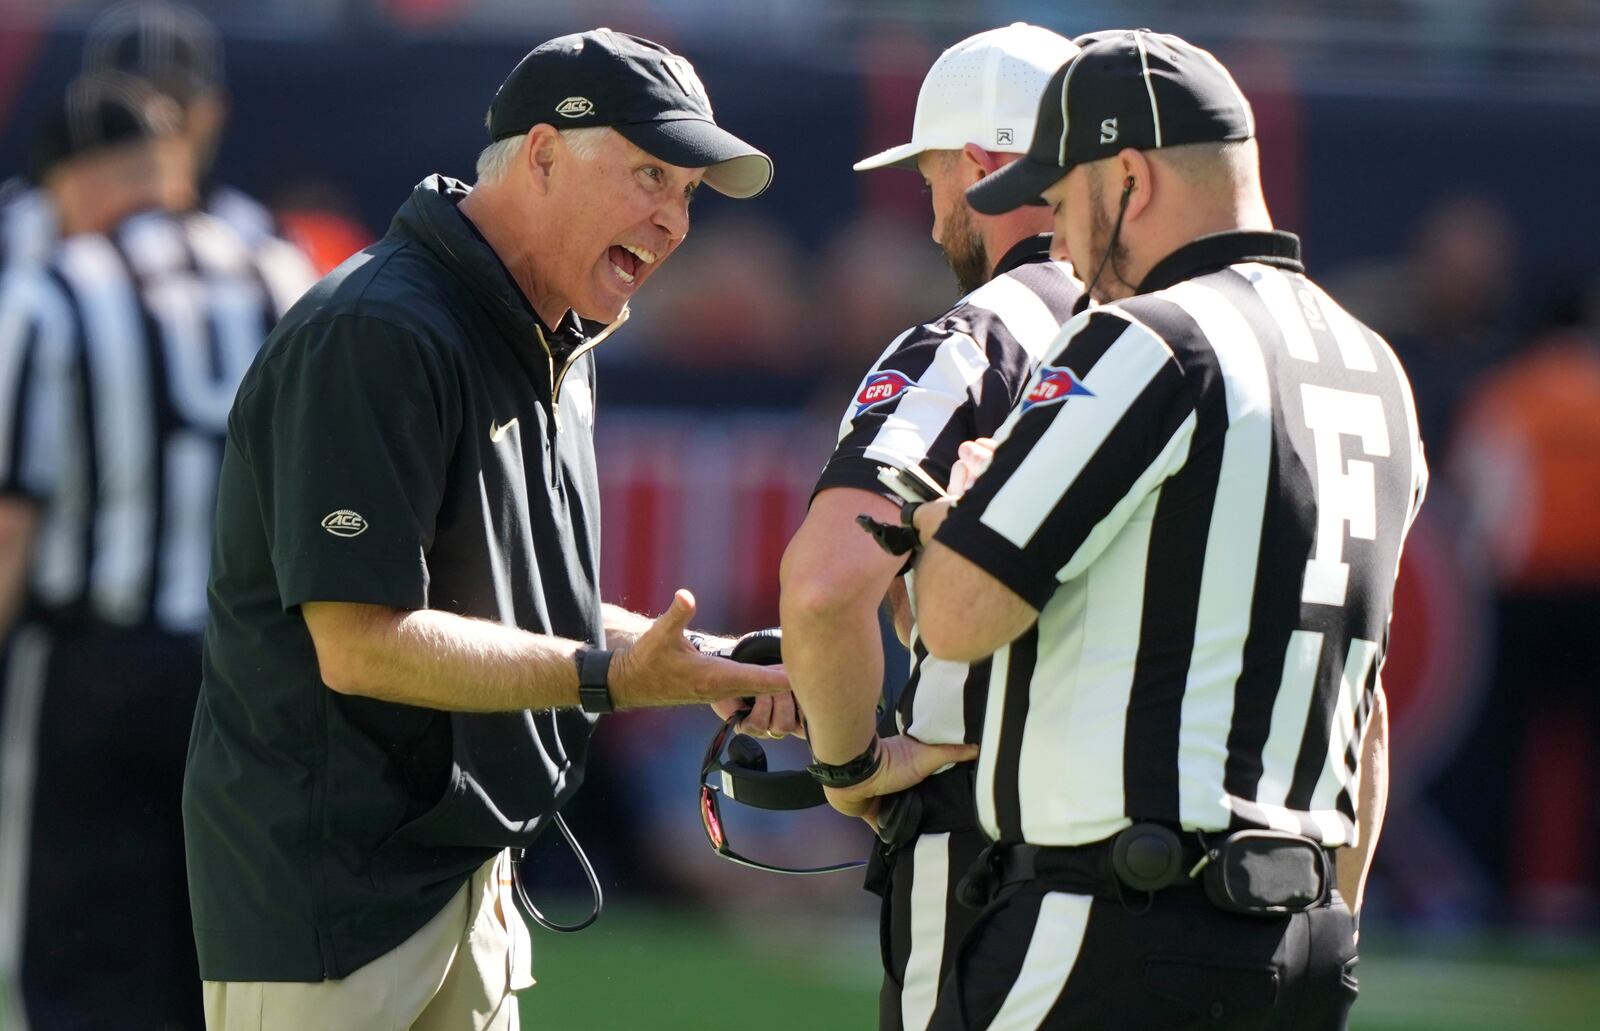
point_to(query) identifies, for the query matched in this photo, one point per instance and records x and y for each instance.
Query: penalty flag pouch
(1266, 873)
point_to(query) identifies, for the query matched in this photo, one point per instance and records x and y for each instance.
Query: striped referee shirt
(1204, 491)
(27, 223)
(936, 385)
(119, 359)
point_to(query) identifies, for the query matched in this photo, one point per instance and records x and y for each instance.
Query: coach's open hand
(663, 668)
(904, 761)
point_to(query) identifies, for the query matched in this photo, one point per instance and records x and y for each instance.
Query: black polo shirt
(395, 443)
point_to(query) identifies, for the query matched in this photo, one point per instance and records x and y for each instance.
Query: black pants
(106, 938)
(921, 924)
(1055, 960)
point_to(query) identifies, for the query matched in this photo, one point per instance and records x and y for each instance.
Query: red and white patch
(881, 387)
(1053, 384)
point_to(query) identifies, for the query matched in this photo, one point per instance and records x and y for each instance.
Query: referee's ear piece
(1127, 185)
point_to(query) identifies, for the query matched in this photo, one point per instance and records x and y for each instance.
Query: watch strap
(849, 774)
(594, 679)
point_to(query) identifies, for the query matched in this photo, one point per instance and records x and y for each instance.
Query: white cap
(984, 90)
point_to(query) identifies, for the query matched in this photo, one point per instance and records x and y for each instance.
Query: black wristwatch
(594, 685)
(848, 775)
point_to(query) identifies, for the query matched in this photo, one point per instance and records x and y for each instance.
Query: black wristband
(594, 679)
(848, 775)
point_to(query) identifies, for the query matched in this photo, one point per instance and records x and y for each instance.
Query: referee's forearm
(833, 580)
(1355, 863)
(835, 664)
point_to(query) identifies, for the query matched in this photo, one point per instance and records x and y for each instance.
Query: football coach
(1182, 558)
(406, 648)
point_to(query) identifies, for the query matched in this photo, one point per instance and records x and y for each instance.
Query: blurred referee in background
(119, 358)
(1182, 560)
(179, 52)
(936, 385)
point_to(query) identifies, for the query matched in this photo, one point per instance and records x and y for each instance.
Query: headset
(742, 775)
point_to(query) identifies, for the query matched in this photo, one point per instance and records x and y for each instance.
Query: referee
(1181, 559)
(179, 51)
(119, 357)
(937, 384)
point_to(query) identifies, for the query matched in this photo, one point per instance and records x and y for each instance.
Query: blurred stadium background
(1438, 157)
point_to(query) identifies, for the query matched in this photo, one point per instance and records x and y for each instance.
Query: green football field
(645, 969)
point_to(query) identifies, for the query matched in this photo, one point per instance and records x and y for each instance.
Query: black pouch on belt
(1266, 873)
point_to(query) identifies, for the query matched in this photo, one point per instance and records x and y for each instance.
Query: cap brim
(903, 156)
(733, 167)
(1016, 185)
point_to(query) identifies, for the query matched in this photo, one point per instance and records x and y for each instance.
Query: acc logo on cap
(574, 107)
(344, 523)
(880, 387)
(1055, 384)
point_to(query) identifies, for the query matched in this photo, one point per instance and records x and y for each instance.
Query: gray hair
(496, 158)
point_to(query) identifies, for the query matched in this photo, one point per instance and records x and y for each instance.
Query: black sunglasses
(745, 778)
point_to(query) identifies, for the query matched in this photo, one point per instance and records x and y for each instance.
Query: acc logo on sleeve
(344, 523)
(880, 387)
(1052, 385)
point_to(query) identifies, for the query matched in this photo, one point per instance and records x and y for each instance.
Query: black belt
(1084, 869)
(1147, 857)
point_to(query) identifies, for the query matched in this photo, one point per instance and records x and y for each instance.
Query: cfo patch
(881, 387)
(1053, 384)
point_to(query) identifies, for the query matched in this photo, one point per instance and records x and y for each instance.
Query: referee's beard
(1103, 238)
(963, 249)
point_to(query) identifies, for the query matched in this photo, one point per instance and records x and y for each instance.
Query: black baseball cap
(175, 47)
(642, 90)
(1126, 88)
(99, 112)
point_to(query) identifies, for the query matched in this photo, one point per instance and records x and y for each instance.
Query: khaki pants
(459, 971)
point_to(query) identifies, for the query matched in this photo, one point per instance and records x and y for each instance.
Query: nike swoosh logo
(496, 432)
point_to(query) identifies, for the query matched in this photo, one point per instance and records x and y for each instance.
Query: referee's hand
(663, 668)
(904, 761)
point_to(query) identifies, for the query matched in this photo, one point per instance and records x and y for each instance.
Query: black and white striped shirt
(119, 360)
(1204, 492)
(27, 223)
(936, 385)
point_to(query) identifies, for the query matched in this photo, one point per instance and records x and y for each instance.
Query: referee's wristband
(848, 775)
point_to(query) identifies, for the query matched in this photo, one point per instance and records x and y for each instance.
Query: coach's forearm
(439, 660)
(834, 577)
(622, 626)
(1355, 863)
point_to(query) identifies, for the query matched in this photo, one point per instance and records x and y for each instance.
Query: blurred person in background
(874, 274)
(1526, 463)
(320, 217)
(179, 51)
(949, 380)
(1447, 308)
(27, 221)
(724, 329)
(407, 648)
(119, 356)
